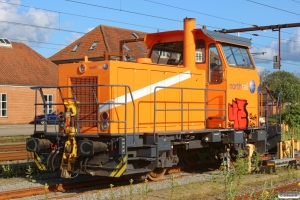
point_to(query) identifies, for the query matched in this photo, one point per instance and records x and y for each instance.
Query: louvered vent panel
(85, 96)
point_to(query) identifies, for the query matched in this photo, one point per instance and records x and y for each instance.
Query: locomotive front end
(80, 141)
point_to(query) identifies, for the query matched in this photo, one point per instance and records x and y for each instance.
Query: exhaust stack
(189, 48)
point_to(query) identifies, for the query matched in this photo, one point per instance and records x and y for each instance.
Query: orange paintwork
(142, 77)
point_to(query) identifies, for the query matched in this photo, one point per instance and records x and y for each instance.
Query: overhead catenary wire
(272, 61)
(117, 21)
(196, 12)
(274, 7)
(84, 16)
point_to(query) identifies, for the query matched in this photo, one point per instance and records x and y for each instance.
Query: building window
(93, 46)
(76, 47)
(199, 57)
(200, 51)
(3, 105)
(49, 102)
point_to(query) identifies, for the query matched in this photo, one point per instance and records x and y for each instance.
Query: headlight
(62, 125)
(104, 126)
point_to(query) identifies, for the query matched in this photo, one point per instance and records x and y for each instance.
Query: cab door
(216, 90)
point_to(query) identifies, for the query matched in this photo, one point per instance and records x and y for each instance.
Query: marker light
(105, 115)
(82, 68)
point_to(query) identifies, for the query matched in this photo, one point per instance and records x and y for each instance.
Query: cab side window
(215, 66)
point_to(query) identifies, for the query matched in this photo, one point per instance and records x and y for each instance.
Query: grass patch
(9, 139)
(293, 132)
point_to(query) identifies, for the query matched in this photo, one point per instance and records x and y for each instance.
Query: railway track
(42, 190)
(284, 188)
(11, 152)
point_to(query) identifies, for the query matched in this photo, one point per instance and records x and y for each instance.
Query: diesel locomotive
(195, 97)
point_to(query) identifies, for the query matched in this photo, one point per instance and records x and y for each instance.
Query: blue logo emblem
(252, 86)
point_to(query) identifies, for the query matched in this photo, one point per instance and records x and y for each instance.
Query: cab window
(237, 56)
(214, 66)
(170, 53)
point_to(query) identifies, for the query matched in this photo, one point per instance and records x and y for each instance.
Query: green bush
(292, 116)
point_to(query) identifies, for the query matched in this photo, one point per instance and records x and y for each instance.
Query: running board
(269, 166)
(141, 158)
(136, 171)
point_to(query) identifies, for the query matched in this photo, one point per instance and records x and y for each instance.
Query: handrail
(127, 89)
(182, 103)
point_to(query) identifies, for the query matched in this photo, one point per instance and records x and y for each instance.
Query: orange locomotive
(195, 98)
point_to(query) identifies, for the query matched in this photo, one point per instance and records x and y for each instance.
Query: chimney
(189, 43)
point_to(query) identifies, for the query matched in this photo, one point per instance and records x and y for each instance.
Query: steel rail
(12, 147)
(15, 155)
(284, 188)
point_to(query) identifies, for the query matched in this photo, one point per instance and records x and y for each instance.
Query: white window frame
(49, 107)
(199, 56)
(93, 46)
(1, 105)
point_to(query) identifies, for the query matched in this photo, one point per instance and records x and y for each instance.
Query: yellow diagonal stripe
(121, 167)
(38, 162)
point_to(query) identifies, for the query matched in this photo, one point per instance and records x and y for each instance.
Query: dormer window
(141, 49)
(76, 47)
(93, 46)
(5, 43)
(135, 36)
(126, 47)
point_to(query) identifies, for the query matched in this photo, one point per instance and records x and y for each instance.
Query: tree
(263, 75)
(292, 117)
(285, 82)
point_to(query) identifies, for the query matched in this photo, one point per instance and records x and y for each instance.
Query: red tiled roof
(108, 40)
(20, 65)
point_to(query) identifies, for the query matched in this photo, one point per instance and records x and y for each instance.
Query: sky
(47, 26)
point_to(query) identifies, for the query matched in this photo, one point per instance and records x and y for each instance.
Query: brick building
(20, 68)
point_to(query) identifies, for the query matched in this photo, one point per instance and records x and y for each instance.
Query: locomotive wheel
(156, 174)
(190, 158)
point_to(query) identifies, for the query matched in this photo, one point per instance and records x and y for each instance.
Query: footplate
(270, 166)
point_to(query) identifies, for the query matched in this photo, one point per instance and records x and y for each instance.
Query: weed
(140, 192)
(46, 190)
(29, 172)
(123, 193)
(146, 189)
(99, 197)
(230, 195)
(131, 188)
(241, 167)
(112, 195)
(174, 185)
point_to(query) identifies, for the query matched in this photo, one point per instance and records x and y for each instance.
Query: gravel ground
(118, 191)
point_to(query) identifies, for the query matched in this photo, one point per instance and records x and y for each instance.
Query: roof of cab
(177, 35)
(226, 37)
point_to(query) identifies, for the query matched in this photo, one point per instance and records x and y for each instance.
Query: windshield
(237, 56)
(167, 53)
